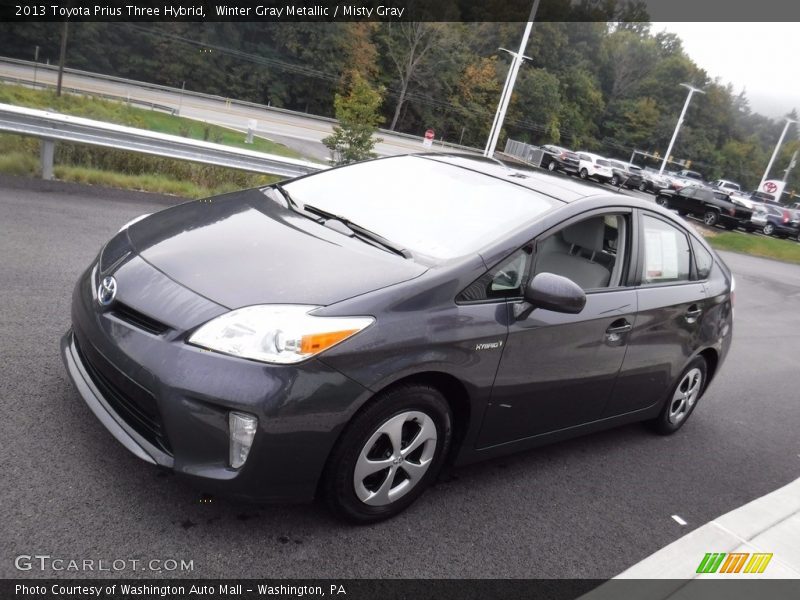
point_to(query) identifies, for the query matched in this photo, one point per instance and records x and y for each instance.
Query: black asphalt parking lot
(590, 507)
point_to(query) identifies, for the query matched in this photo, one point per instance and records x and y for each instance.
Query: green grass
(147, 182)
(767, 247)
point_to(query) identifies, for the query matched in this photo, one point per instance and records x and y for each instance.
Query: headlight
(132, 221)
(280, 334)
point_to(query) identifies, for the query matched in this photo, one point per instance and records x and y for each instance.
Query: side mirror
(556, 293)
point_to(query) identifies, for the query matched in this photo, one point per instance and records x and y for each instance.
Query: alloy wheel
(551, 166)
(395, 458)
(685, 395)
(710, 218)
(769, 229)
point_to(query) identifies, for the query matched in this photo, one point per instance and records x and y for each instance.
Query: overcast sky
(762, 58)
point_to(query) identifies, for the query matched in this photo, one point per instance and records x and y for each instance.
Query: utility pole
(775, 152)
(62, 56)
(35, 64)
(692, 90)
(511, 78)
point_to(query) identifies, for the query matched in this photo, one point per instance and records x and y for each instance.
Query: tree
(408, 44)
(358, 115)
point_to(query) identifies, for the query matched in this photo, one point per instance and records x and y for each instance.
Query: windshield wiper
(289, 200)
(358, 231)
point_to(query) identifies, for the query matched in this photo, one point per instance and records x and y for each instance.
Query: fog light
(242, 428)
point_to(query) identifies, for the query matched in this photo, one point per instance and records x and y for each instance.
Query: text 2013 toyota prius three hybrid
(348, 332)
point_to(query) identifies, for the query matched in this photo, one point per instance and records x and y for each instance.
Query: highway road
(295, 130)
(590, 507)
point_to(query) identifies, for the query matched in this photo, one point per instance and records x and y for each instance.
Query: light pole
(511, 78)
(775, 152)
(692, 90)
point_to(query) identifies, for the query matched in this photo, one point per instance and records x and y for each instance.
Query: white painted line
(678, 520)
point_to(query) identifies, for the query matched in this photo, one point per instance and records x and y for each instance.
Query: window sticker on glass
(666, 252)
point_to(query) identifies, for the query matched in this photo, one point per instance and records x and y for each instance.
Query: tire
(584, 174)
(643, 187)
(410, 411)
(682, 399)
(552, 166)
(683, 212)
(615, 181)
(711, 218)
(662, 201)
(769, 229)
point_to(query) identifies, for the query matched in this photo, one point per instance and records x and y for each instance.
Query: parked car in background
(775, 220)
(625, 175)
(685, 177)
(715, 208)
(556, 158)
(652, 180)
(594, 166)
(724, 185)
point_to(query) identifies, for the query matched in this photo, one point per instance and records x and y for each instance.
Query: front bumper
(168, 402)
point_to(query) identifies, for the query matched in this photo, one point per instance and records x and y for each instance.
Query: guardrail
(525, 152)
(70, 90)
(53, 127)
(226, 101)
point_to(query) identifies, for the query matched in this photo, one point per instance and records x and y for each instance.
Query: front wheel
(551, 166)
(682, 399)
(711, 218)
(615, 181)
(388, 454)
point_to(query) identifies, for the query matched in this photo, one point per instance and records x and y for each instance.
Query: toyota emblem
(107, 291)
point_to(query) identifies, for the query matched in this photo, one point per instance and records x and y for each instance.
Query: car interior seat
(573, 253)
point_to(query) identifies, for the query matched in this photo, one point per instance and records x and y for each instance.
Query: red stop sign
(770, 187)
(429, 134)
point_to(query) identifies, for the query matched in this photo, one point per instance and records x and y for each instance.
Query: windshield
(422, 205)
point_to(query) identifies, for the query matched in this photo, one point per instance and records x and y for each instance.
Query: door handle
(693, 313)
(623, 327)
(616, 332)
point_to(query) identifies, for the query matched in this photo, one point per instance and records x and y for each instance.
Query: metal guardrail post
(48, 153)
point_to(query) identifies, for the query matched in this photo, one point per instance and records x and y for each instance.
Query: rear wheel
(682, 399)
(643, 187)
(388, 454)
(711, 218)
(769, 229)
(552, 165)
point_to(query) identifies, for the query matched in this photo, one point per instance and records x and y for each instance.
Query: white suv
(593, 165)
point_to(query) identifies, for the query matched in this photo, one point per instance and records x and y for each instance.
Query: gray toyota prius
(345, 334)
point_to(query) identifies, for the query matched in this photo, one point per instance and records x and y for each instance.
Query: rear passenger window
(666, 252)
(703, 260)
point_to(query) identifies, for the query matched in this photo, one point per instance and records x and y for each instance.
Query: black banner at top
(398, 10)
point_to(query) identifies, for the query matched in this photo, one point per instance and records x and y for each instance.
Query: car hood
(243, 248)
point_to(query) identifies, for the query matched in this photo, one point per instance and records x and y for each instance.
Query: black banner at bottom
(389, 589)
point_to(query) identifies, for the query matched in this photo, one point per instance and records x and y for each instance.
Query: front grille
(135, 405)
(138, 320)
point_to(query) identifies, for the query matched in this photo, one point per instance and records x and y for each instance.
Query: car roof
(542, 182)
